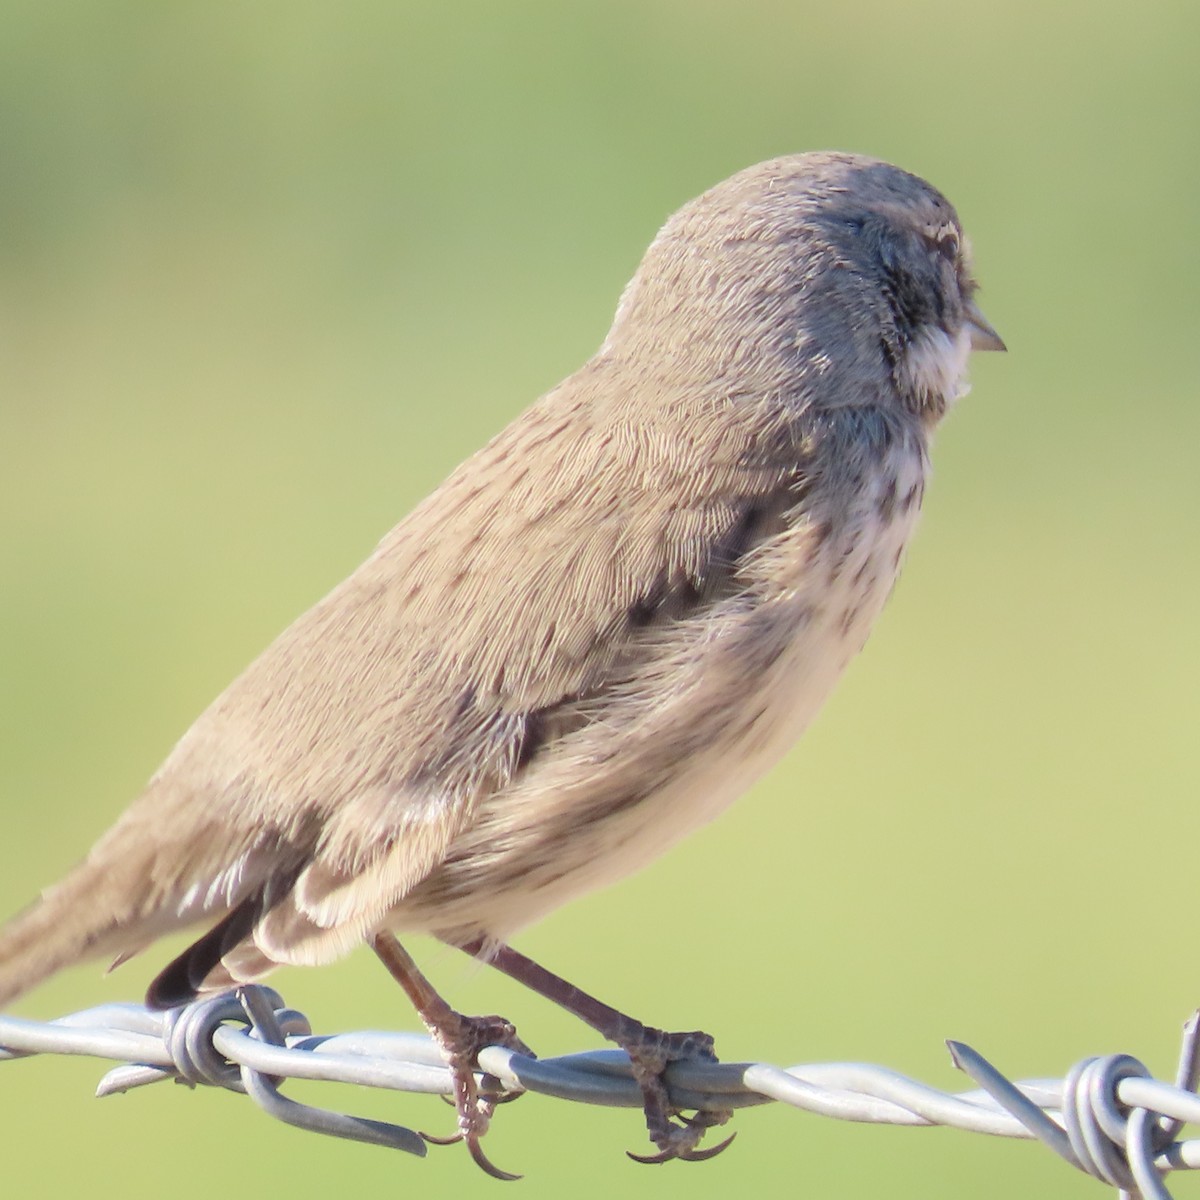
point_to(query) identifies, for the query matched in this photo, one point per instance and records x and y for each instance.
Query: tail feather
(182, 979)
(64, 926)
(120, 899)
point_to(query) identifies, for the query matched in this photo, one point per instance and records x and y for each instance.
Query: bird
(594, 635)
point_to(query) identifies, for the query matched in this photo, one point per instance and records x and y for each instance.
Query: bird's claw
(460, 1042)
(675, 1138)
(434, 1139)
(684, 1155)
(484, 1163)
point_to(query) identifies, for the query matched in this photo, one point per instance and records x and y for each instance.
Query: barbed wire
(1109, 1117)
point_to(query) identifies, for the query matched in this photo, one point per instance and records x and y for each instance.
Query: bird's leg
(650, 1052)
(460, 1039)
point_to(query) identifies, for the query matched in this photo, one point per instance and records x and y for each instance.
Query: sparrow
(593, 636)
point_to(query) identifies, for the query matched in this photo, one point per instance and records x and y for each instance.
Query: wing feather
(534, 576)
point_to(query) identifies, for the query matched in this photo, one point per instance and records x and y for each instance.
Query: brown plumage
(595, 633)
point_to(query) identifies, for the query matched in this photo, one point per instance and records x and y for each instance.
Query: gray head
(832, 277)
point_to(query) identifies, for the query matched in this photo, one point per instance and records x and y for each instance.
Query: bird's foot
(460, 1040)
(675, 1135)
(651, 1052)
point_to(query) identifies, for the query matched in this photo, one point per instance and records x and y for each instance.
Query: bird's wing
(359, 742)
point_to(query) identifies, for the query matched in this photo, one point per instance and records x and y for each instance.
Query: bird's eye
(945, 241)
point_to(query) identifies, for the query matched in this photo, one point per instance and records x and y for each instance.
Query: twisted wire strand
(1108, 1117)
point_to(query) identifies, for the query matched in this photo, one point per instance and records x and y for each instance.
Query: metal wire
(1108, 1117)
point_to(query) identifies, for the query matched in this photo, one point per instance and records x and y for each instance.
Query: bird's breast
(731, 691)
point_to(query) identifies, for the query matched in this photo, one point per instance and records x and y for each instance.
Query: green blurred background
(269, 270)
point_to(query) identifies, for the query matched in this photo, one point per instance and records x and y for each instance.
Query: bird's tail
(67, 924)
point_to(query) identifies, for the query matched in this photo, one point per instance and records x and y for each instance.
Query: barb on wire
(1108, 1117)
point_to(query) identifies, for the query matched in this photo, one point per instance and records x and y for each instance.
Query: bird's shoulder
(538, 562)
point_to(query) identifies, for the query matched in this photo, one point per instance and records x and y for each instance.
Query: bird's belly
(779, 669)
(774, 708)
(616, 797)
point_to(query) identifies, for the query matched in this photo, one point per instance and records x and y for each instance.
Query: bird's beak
(983, 336)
